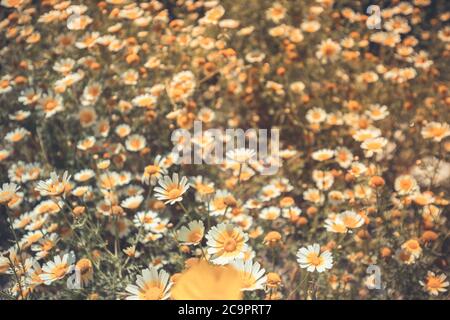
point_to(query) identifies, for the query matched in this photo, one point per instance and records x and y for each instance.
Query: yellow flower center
(135, 143)
(230, 245)
(434, 283)
(174, 192)
(195, 236)
(152, 293)
(413, 245)
(60, 270)
(4, 84)
(47, 245)
(315, 259)
(151, 169)
(50, 105)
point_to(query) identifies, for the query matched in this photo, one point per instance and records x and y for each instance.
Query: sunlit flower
(436, 131)
(50, 104)
(435, 284)
(132, 203)
(150, 285)
(351, 219)
(270, 213)
(192, 234)
(171, 189)
(323, 155)
(16, 135)
(135, 143)
(328, 50)
(57, 268)
(201, 282)
(372, 146)
(226, 243)
(405, 184)
(413, 247)
(8, 191)
(241, 155)
(312, 259)
(251, 274)
(85, 271)
(55, 186)
(153, 172)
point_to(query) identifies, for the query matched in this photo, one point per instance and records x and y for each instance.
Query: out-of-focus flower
(204, 281)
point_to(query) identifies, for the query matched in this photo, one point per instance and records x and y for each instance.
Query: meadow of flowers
(96, 204)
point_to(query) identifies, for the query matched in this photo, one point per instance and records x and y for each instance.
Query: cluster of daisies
(100, 200)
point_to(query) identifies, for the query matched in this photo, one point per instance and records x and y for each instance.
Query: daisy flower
(270, 213)
(405, 184)
(150, 285)
(182, 86)
(45, 245)
(328, 50)
(153, 172)
(412, 246)
(213, 15)
(86, 143)
(147, 219)
(226, 243)
(78, 22)
(16, 135)
(314, 196)
(20, 115)
(251, 274)
(310, 26)
(344, 157)
(132, 252)
(135, 143)
(171, 189)
(50, 105)
(372, 146)
(29, 96)
(297, 87)
(323, 155)
(316, 115)
(292, 213)
(217, 205)
(366, 134)
(122, 130)
(58, 268)
(351, 219)
(204, 189)
(8, 191)
(241, 155)
(276, 12)
(336, 225)
(435, 284)
(377, 112)
(87, 116)
(160, 227)
(55, 186)
(84, 175)
(269, 192)
(132, 203)
(436, 131)
(192, 234)
(312, 259)
(145, 101)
